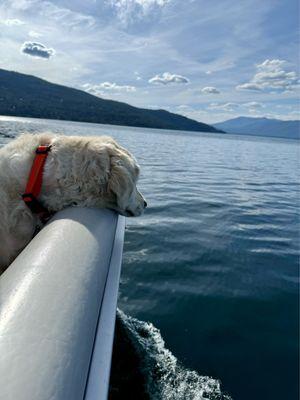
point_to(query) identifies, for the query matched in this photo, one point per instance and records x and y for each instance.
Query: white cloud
(295, 113)
(137, 76)
(129, 5)
(167, 78)
(100, 89)
(20, 4)
(210, 90)
(146, 3)
(12, 22)
(143, 3)
(249, 86)
(114, 86)
(253, 105)
(191, 112)
(65, 16)
(130, 10)
(34, 34)
(271, 76)
(49, 12)
(231, 107)
(224, 107)
(183, 107)
(37, 50)
(271, 64)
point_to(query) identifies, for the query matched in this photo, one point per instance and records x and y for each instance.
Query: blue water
(213, 265)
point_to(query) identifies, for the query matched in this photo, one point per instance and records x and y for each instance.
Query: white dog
(83, 171)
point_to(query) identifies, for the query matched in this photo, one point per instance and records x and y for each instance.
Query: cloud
(145, 4)
(253, 105)
(183, 107)
(271, 64)
(128, 11)
(50, 12)
(191, 112)
(100, 89)
(224, 107)
(65, 16)
(12, 22)
(271, 76)
(210, 90)
(38, 50)
(167, 78)
(249, 86)
(34, 34)
(19, 5)
(295, 113)
(137, 76)
(231, 107)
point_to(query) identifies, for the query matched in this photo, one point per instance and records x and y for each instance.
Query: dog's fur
(83, 171)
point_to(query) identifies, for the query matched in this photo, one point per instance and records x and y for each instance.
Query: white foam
(165, 377)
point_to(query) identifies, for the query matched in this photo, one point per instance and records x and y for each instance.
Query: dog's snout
(145, 204)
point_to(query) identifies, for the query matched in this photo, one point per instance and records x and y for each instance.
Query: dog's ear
(93, 166)
(120, 183)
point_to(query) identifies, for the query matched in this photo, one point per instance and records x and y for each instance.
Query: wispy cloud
(145, 4)
(253, 105)
(38, 50)
(232, 107)
(271, 75)
(224, 107)
(19, 5)
(12, 22)
(50, 12)
(34, 34)
(100, 89)
(137, 76)
(167, 78)
(70, 18)
(129, 11)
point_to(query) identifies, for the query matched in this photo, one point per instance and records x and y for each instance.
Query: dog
(79, 171)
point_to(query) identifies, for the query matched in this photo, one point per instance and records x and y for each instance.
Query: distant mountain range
(261, 127)
(28, 96)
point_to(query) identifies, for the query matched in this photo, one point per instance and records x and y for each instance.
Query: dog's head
(122, 181)
(93, 172)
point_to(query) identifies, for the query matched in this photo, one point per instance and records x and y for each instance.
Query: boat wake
(142, 368)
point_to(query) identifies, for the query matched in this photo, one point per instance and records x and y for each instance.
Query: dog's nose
(145, 204)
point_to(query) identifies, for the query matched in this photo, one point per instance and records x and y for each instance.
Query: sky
(210, 60)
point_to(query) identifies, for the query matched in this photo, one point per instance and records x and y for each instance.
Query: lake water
(212, 265)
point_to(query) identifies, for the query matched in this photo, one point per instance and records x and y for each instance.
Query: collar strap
(34, 184)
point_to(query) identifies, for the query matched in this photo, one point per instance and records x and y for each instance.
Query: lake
(212, 265)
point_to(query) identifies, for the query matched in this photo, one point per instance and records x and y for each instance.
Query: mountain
(28, 96)
(261, 127)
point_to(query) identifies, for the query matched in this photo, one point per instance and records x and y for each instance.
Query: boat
(58, 307)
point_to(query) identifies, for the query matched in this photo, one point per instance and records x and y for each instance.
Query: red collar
(34, 184)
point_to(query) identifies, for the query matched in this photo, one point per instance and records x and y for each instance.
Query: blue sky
(209, 60)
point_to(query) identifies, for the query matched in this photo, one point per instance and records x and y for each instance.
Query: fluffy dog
(83, 171)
